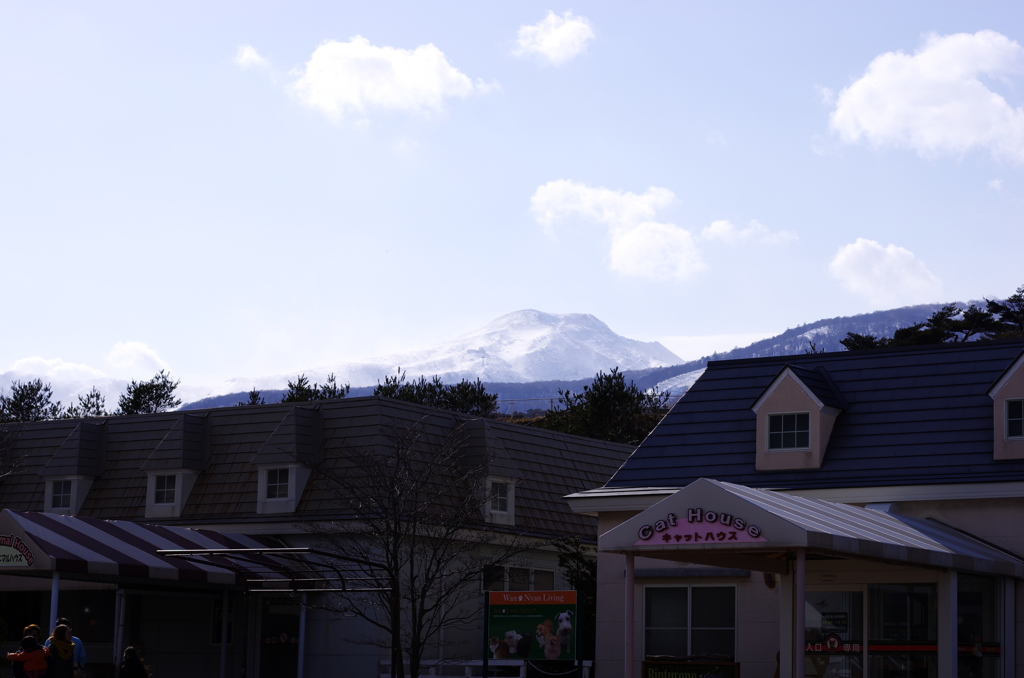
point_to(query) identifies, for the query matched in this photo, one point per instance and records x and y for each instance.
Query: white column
(947, 625)
(627, 655)
(1008, 642)
(54, 599)
(786, 624)
(119, 632)
(799, 614)
(224, 619)
(115, 652)
(302, 636)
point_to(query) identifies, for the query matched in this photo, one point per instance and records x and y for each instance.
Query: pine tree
(29, 401)
(149, 397)
(92, 404)
(301, 391)
(254, 399)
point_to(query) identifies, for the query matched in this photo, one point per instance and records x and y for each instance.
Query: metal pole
(799, 621)
(119, 635)
(54, 598)
(117, 620)
(487, 638)
(302, 636)
(225, 602)
(628, 620)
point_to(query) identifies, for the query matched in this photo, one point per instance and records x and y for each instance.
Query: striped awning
(39, 543)
(719, 523)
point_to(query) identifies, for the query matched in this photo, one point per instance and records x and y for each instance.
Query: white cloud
(655, 251)
(725, 232)
(826, 95)
(55, 368)
(639, 246)
(345, 78)
(996, 185)
(933, 101)
(559, 199)
(884, 275)
(135, 359)
(555, 38)
(247, 56)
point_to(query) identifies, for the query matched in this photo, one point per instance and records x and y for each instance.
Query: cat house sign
(700, 527)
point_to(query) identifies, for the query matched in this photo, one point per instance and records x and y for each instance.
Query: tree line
(32, 400)
(952, 324)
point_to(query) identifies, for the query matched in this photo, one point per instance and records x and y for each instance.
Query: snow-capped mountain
(522, 346)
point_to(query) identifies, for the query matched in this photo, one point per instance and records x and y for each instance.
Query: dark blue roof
(912, 416)
(820, 384)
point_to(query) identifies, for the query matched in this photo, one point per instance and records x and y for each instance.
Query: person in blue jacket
(79, 655)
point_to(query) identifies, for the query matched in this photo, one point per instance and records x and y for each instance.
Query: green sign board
(532, 624)
(695, 669)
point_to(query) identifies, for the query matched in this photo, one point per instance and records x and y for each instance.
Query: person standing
(79, 646)
(62, 652)
(132, 665)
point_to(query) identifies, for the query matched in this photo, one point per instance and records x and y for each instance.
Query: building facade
(96, 499)
(847, 514)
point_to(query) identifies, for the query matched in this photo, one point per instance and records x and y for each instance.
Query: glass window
(499, 497)
(518, 579)
(834, 633)
(494, 578)
(903, 630)
(61, 498)
(164, 490)
(977, 627)
(543, 580)
(789, 431)
(277, 483)
(1015, 418)
(681, 621)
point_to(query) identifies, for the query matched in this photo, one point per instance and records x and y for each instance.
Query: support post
(627, 618)
(54, 599)
(224, 618)
(1009, 638)
(799, 615)
(115, 658)
(119, 632)
(947, 625)
(487, 637)
(302, 636)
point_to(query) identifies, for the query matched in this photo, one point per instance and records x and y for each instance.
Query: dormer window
(277, 483)
(1015, 418)
(499, 497)
(789, 431)
(61, 497)
(500, 507)
(164, 490)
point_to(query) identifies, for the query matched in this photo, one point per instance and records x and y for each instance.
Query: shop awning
(715, 523)
(41, 543)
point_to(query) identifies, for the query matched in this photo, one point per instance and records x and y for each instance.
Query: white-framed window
(163, 492)
(499, 497)
(1015, 418)
(277, 483)
(689, 621)
(789, 431)
(61, 495)
(66, 494)
(279, 489)
(514, 578)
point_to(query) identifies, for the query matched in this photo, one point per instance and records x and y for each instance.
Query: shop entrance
(279, 637)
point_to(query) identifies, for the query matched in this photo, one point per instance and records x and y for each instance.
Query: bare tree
(11, 458)
(416, 534)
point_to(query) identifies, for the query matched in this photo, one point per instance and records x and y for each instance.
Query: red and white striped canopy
(35, 543)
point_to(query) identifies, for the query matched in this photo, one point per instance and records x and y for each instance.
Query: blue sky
(230, 189)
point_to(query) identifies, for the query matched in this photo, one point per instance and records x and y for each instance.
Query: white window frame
(508, 516)
(768, 433)
(1006, 418)
(80, 486)
(689, 612)
(184, 481)
(298, 475)
(173, 489)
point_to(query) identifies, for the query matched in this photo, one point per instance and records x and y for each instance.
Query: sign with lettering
(695, 669)
(700, 527)
(14, 552)
(532, 624)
